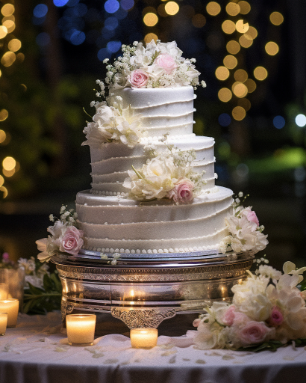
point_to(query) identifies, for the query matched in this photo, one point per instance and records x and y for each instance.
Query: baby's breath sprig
(239, 199)
(67, 217)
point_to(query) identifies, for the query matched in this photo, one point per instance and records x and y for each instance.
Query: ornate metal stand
(143, 290)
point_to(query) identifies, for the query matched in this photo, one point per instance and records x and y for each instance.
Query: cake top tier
(154, 65)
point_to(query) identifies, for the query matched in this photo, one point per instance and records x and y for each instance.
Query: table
(36, 351)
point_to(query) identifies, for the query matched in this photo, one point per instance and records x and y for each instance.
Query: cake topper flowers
(167, 174)
(64, 238)
(245, 233)
(154, 65)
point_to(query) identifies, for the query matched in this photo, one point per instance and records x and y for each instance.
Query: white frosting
(114, 223)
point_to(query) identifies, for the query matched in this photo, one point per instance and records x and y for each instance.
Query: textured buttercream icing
(114, 222)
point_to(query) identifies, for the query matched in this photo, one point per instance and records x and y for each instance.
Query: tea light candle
(81, 329)
(3, 291)
(3, 323)
(143, 337)
(10, 307)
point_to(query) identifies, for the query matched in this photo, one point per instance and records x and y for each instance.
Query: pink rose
(72, 241)
(253, 332)
(138, 78)
(166, 62)
(276, 317)
(229, 316)
(252, 217)
(182, 191)
(196, 322)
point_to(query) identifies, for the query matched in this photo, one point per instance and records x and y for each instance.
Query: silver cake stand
(142, 290)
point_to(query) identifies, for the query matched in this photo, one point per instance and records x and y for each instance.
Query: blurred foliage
(42, 300)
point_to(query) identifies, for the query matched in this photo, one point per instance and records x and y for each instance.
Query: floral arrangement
(267, 311)
(34, 271)
(245, 233)
(168, 174)
(64, 238)
(112, 122)
(155, 65)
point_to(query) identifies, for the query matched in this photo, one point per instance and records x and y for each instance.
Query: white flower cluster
(112, 122)
(169, 174)
(64, 238)
(152, 66)
(266, 306)
(245, 234)
(33, 274)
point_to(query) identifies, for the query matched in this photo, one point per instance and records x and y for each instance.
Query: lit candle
(3, 291)
(10, 307)
(144, 337)
(3, 323)
(81, 329)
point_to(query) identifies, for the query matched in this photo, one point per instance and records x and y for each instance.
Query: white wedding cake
(153, 180)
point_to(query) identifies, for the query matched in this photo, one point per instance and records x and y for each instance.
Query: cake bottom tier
(116, 224)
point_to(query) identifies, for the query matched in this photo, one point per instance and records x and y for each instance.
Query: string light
(213, 8)
(238, 113)
(271, 48)
(260, 73)
(222, 73)
(228, 27)
(172, 8)
(276, 18)
(150, 19)
(233, 47)
(149, 37)
(225, 95)
(230, 61)
(198, 20)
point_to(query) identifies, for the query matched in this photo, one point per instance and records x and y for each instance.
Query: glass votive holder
(3, 323)
(3, 291)
(10, 307)
(81, 329)
(144, 337)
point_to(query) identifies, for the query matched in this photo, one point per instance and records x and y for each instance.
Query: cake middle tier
(125, 225)
(111, 162)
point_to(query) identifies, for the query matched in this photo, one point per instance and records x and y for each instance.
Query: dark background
(45, 84)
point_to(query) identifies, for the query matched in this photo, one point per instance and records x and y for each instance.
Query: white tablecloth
(37, 351)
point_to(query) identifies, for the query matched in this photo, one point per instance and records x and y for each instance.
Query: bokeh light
(60, 3)
(10, 25)
(3, 31)
(1, 180)
(232, 9)
(238, 113)
(7, 10)
(245, 42)
(127, 4)
(14, 45)
(149, 37)
(276, 18)
(241, 75)
(8, 59)
(150, 19)
(198, 20)
(2, 136)
(172, 8)
(77, 37)
(224, 119)
(113, 46)
(279, 122)
(111, 23)
(4, 190)
(251, 85)
(111, 6)
(3, 114)
(271, 48)
(8, 173)
(225, 95)
(213, 8)
(245, 7)
(42, 39)
(230, 61)
(161, 10)
(40, 10)
(103, 54)
(222, 73)
(239, 89)
(9, 163)
(251, 34)
(260, 73)
(300, 120)
(233, 47)
(245, 103)
(228, 27)
(242, 27)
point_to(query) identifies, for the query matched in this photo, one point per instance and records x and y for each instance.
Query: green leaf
(35, 290)
(57, 282)
(47, 282)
